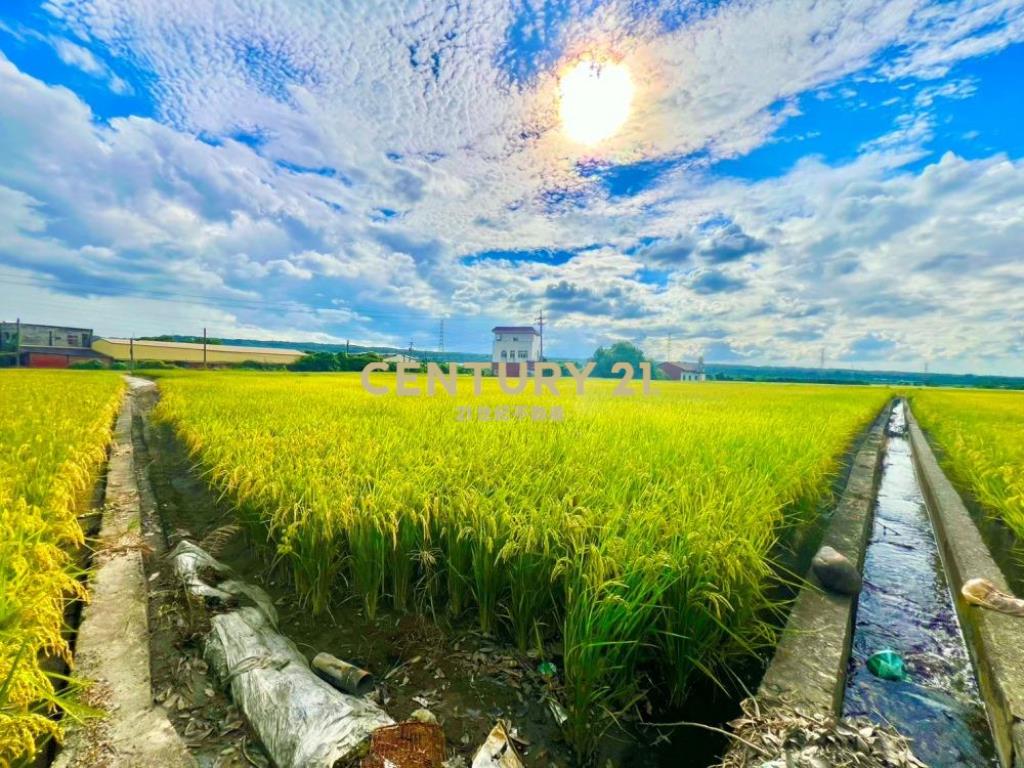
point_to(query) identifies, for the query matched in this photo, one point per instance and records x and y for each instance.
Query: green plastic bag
(547, 669)
(888, 665)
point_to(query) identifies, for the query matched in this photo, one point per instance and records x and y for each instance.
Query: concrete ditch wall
(995, 640)
(112, 646)
(808, 670)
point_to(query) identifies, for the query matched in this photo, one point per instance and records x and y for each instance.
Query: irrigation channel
(906, 606)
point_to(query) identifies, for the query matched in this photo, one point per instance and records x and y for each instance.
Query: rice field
(981, 437)
(639, 530)
(54, 429)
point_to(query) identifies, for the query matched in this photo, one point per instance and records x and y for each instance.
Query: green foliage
(155, 365)
(255, 365)
(619, 352)
(334, 361)
(88, 365)
(10, 345)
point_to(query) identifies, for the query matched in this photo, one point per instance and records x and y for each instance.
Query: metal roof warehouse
(185, 353)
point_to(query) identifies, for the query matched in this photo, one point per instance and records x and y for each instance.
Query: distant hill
(729, 372)
(716, 371)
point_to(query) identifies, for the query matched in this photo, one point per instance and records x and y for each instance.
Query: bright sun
(596, 97)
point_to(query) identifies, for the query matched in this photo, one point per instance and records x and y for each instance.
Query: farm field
(54, 428)
(981, 435)
(638, 530)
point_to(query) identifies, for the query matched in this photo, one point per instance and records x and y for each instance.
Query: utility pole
(346, 346)
(440, 338)
(204, 347)
(131, 354)
(17, 343)
(540, 321)
(410, 349)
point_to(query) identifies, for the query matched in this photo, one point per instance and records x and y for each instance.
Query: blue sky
(792, 176)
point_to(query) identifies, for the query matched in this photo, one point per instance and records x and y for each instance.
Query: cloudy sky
(792, 176)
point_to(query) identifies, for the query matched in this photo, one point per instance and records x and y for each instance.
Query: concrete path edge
(112, 645)
(995, 640)
(808, 670)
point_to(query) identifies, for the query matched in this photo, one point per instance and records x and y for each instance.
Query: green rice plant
(54, 429)
(981, 437)
(641, 530)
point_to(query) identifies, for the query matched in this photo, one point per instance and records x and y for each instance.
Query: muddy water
(906, 606)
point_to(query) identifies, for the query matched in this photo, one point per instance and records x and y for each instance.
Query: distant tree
(356, 362)
(331, 361)
(619, 352)
(256, 365)
(316, 361)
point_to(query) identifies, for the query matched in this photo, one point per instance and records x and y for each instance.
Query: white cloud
(341, 86)
(366, 107)
(75, 55)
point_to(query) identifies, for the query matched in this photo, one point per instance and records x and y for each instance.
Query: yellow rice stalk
(54, 429)
(980, 434)
(639, 529)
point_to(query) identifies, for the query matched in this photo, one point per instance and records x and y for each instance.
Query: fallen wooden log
(301, 720)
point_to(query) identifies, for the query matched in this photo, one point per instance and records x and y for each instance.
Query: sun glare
(596, 97)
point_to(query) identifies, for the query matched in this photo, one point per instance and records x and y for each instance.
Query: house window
(504, 355)
(497, 337)
(515, 338)
(522, 354)
(72, 339)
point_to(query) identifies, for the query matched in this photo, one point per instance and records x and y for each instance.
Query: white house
(515, 345)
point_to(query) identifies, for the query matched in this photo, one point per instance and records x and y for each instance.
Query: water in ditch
(906, 606)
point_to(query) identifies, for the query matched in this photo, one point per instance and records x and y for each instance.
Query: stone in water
(835, 572)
